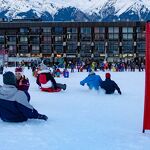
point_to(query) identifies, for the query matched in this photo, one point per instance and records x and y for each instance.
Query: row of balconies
(106, 43)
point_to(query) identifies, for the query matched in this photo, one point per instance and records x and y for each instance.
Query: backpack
(42, 79)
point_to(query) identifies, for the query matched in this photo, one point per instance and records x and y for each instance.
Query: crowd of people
(15, 98)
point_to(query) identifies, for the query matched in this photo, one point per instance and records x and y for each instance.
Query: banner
(146, 120)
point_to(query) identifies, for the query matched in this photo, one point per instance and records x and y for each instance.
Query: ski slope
(80, 119)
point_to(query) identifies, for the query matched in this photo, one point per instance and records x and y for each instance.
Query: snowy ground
(80, 119)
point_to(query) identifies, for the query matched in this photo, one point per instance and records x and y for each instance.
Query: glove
(81, 83)
(43, 117)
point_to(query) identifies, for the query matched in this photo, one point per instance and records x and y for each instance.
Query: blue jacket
(110, 86)
(14, 105)
(93, 81)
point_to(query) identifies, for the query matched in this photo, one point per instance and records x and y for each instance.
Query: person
(109, 85)
(14, 105)
(47, 82)
(22, 82)
(1, 69)
(92, 80)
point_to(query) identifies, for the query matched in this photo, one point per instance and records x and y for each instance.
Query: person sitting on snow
(46, 81)
(109, 85)
(22, 82)
(14, 105)
(92, 80)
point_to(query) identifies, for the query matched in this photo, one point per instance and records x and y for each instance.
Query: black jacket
(110, 86)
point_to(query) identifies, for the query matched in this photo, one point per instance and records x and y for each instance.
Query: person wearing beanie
(14, 105)
(93, 81)
(109, 85)
(22, 82)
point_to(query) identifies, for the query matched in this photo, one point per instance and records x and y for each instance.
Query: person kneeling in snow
(14, 105)
(109, 85)
(47, 82)
(92, 80)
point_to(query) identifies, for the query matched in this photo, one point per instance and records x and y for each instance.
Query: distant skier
(109, 85)
(93, 81)
(14, 105)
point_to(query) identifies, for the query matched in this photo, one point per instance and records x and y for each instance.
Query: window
(127, 47)
(35, 30)
(71, 30)
(127, 29)
(11, 39)
(58, 39)
(127, 36)
(34, 39)
(35, 49)
(59, 48)
(113, 47)
(99, 30)
(113, 29)
(71, 37)
(23, 49)
(47, 30)
(99, 47)
(12, 49)
(24, 39)
(46, 39)
(86, 47)
(141, 36)
(24, 30)
(113, 36)
(57, 30)
(46, 49)
(2, 39)
(99, 37)
(86, 30)
(141, 46)
(72, 48)
(86, 37)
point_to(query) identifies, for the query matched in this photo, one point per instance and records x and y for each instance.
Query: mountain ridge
(76, 10)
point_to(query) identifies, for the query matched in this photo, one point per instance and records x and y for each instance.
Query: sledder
(47, 82)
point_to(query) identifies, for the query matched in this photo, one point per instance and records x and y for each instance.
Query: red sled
(51, 90)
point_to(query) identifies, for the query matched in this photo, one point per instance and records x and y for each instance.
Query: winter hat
(9, 78)
(107, 75)
(19, 69)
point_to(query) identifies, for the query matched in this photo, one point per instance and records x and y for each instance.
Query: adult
(14, 105)
(47, 82)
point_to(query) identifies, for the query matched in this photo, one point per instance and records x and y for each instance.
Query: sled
(51, 90)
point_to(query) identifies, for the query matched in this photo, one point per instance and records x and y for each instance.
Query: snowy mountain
(76, 10)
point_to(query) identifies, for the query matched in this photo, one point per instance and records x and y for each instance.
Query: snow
(80, 119)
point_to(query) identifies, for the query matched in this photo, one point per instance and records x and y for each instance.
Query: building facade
(97, 40)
